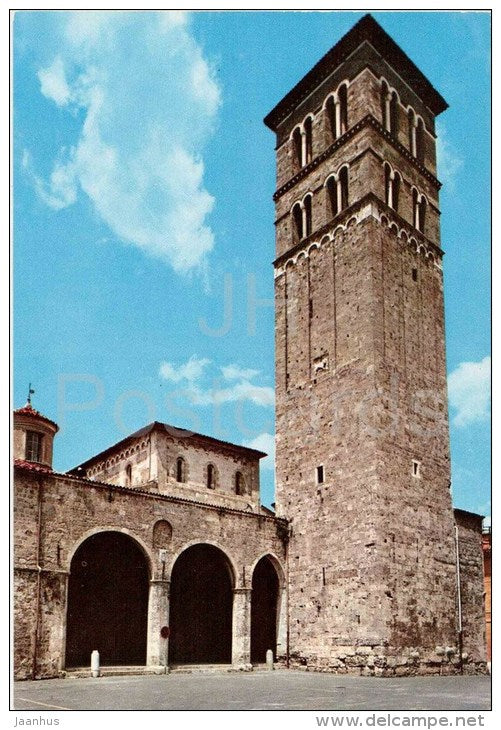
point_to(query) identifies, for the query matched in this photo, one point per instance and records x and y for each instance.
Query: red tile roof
(32, 465)
(28, 410)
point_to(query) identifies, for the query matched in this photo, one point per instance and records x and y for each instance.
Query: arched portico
(201, 607)
(266, 608)
(107, 601)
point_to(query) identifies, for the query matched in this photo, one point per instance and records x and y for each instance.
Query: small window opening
(297, 143)
(416, 468)
(180, 469)
(320, 474)
(420, 140)
(332, 197)
(414, 274)
(33, 446)
(297, 216)
(128, 475)
(211, 476)
(239, 483)
(343, 177)
(308, 131)
(343, 102)
(307, 215)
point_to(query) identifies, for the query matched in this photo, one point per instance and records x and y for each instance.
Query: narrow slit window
(416, 468)
(180, 470)
(320, 474)
(211, 476)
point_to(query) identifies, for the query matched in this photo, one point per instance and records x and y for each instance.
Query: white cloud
(214, 389)
(148, 101)
(61, 191)
(235, 372)
(469, 392)
(190, 371)
(242, 391)
(449, 162)
(264, 442)
(53, 82)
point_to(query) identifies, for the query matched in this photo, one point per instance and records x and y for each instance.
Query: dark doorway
(201, 607)
(107, 601)
(264, 611)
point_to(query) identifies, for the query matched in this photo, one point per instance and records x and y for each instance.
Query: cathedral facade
(157, 551)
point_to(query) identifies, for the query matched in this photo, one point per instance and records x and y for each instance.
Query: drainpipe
(460, 610)
(39, 576)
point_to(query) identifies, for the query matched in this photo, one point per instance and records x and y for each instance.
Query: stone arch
(267, 581)
(201, 606)
(107, 607)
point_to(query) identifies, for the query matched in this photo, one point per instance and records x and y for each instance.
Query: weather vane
(30, 393)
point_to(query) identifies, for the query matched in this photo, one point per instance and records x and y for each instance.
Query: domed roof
(28, 410)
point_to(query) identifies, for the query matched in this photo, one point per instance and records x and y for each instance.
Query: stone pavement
(277, 690)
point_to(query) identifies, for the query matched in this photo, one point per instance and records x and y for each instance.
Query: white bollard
(269, 659)
(94, 664)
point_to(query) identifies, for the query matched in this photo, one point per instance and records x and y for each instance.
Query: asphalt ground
(276, 690)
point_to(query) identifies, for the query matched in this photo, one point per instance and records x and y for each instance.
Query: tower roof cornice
(367, 29)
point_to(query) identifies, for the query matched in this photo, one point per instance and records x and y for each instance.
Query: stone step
(108, 671)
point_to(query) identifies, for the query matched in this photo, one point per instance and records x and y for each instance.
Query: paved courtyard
(278, 690)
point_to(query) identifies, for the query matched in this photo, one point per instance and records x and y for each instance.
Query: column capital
(160, 581)
(237, 591)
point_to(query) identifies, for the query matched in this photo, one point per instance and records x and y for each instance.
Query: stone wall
(472, 589)
(71, 510)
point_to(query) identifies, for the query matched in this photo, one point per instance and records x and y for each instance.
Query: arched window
(330, 114)
(396, 190)
(422, 213)
(297, 147)
(211, 476)
(343, 104)
(385, 106)
(389, 109)
(415, 208)
(387, 184)
(394, 114)
(128, 475)
(392, 182)
(411, 120)
(419, 210)
(420, 140)
(180, 469)
(308, 133)
(307, 216)
(297, 219)
(239, 483)
(343, 179)
(331, 186)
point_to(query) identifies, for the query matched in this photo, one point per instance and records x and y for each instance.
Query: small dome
(33, 436)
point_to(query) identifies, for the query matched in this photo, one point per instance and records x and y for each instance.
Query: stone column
(303, 148)
(388, 112)
(240, 644)
(338, 118)
(339, 194)
(157, 653)
(413, 137)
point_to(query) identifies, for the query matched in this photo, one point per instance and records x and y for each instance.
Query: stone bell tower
(362, 449)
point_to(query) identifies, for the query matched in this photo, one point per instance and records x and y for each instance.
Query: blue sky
(143, 219)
